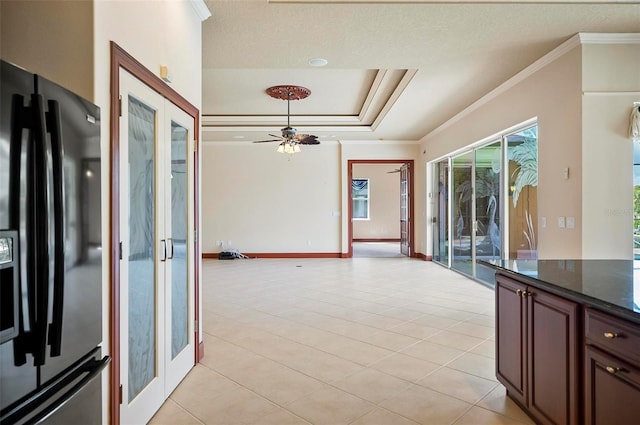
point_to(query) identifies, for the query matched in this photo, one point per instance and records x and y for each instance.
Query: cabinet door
(612, 390)
(552, 358)
(510, 338)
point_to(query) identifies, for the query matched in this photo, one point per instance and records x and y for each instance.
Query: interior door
(179, 196)
(156, 289)
(405, 238)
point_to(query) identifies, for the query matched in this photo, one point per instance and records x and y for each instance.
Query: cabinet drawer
(612, 390)
(611, 334)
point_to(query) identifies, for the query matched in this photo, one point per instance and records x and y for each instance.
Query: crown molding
(201, 9)
(545, 60)
(609, 38)
(456, 1)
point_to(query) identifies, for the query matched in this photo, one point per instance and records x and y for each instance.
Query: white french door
(156, 271)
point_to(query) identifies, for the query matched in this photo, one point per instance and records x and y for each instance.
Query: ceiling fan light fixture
(288, 146)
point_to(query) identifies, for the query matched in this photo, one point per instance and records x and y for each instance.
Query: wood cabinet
(612, 370)
(537, 351)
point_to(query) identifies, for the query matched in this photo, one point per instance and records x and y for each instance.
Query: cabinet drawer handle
(610, 335)
(612, 370)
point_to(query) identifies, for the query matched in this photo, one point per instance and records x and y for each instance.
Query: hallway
(342, 341)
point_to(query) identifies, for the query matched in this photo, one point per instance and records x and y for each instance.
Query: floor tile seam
(334, 333)
(187, 411)
(386, 410)
(430, 361)
(273, 402)
(428, 339)
(490, 411)
(461, 415)
(453, 396)
(242, 386)
(279, 362)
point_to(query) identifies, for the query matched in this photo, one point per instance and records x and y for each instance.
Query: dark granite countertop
(610, 285)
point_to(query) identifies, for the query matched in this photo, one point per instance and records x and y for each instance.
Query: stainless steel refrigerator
(50, 253)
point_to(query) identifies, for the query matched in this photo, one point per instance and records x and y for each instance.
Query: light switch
(571, 222)
(543, 222)
(561, 222)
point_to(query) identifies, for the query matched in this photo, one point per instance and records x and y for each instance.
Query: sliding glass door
(485, 204)
(463, 217)
(440, 223)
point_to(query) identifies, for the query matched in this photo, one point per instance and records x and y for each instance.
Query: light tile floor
(342, 341)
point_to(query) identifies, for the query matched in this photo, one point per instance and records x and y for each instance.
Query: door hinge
(120, 250)
(195, 146)
(120, 106)
(120, 394)
(195, 325)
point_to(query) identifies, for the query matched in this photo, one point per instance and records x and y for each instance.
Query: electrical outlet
(571, 222)
(561, 222)
(543, 222)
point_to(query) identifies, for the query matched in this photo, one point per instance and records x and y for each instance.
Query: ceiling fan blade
(307, 139)
(273, 135)
(266, 141)
(394, 171)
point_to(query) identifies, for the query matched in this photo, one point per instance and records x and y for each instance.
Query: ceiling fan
(290, 140)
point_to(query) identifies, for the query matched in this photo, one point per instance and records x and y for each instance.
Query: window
(360, 198)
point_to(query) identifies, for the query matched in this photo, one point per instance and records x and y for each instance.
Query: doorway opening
(380, 222)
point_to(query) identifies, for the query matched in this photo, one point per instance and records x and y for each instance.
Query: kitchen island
(568, 338)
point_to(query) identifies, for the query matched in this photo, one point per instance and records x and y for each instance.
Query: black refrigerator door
(17, 371)
(71, 398)
(75, 244)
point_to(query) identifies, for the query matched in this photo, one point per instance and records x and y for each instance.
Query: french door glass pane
(142, 209)
(522, 152)
(463, 213)
(179, 219)
(441, 224)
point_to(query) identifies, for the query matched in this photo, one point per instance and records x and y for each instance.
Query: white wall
(611, 83)
(553, 95)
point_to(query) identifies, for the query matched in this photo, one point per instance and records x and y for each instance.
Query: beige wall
(256, 200)
(611, 83)
(384, 202)
(553, 96)
(266, 202)
(50, 38)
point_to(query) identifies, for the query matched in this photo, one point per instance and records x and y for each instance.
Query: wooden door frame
(121, 59)
(350, 163)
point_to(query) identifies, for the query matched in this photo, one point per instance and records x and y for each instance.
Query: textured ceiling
(396, 71)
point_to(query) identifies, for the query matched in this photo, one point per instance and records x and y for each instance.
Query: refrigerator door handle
(19, 121)
(40, 239)
(91, 367)
(54, 126)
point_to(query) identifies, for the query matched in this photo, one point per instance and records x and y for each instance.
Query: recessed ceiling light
(318, 62)
(238, 137)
